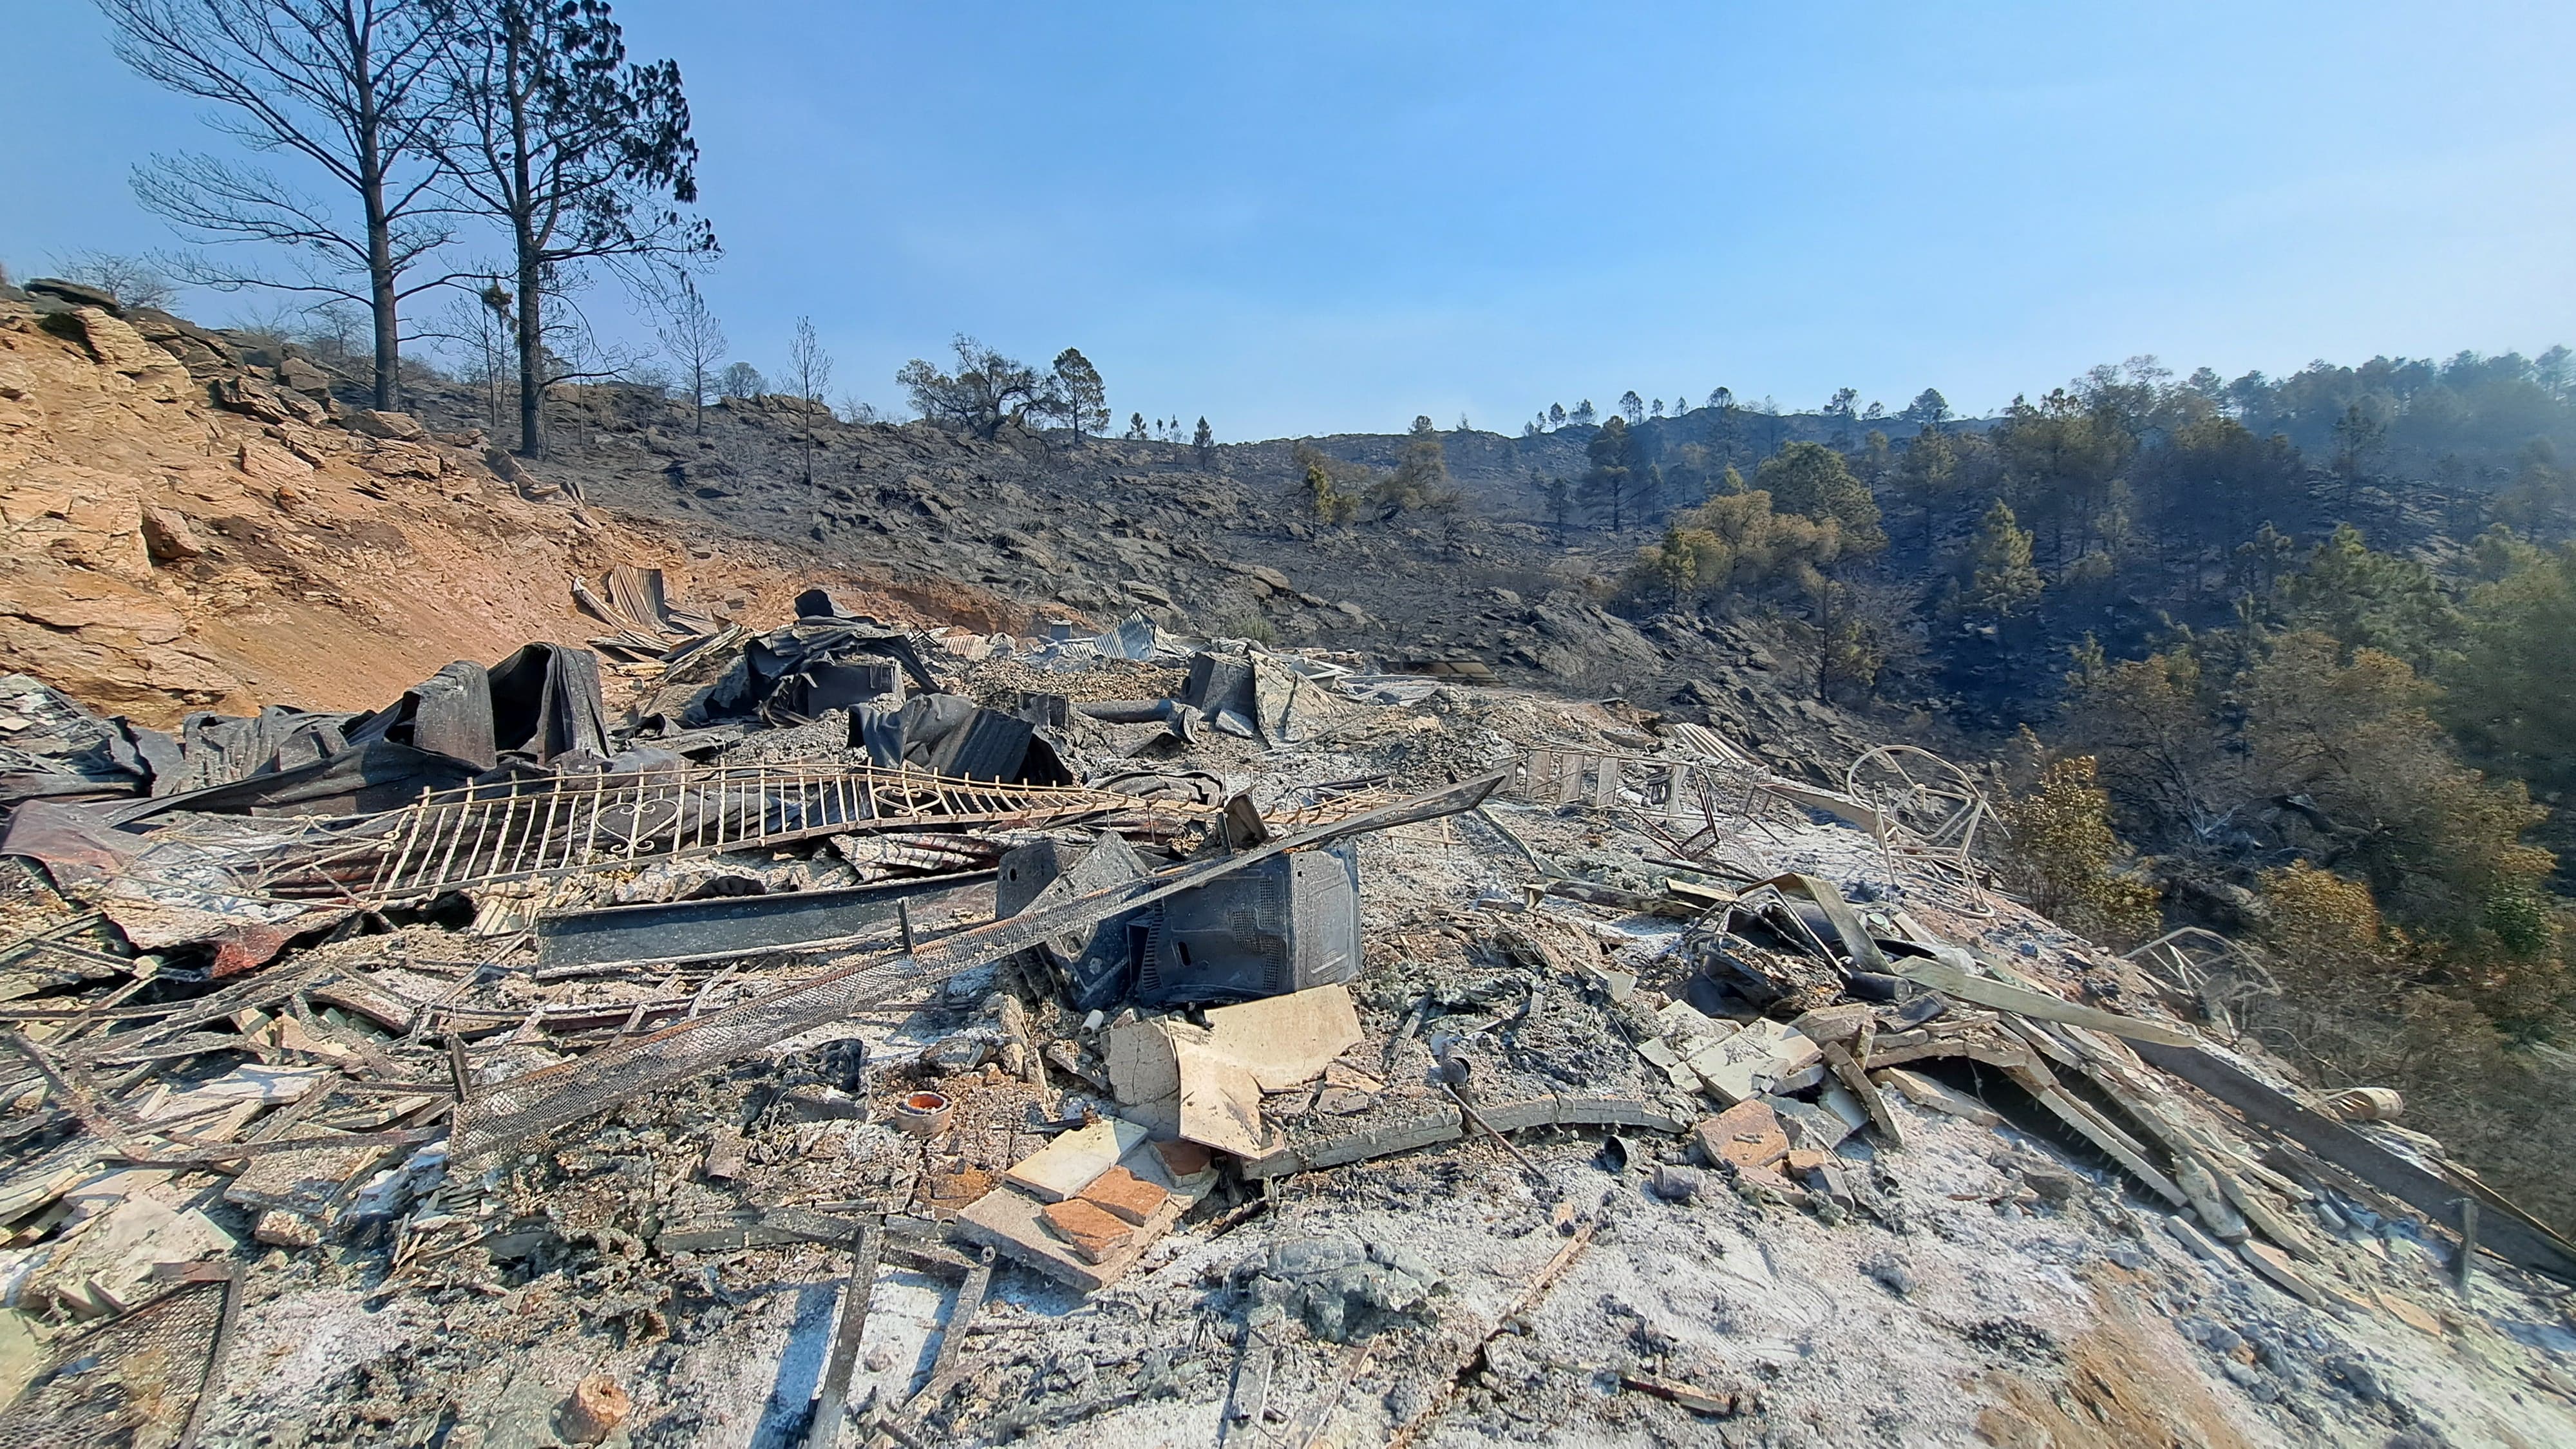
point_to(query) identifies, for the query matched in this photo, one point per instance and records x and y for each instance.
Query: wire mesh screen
(138, 1381)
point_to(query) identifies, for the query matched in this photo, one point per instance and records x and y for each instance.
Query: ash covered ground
(1972, 1268)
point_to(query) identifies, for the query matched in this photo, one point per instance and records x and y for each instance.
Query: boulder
(406, 460)
(399, 427)
(121, 349)
(167, 537)
(75, 293)
(304, 377)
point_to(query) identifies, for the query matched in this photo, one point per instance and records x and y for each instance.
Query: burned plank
(2509, 1234)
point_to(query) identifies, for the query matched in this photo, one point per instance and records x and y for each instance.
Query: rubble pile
(851, 1033)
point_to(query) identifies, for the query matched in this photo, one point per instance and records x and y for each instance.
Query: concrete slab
(1220, 1101)
(1767, 1055)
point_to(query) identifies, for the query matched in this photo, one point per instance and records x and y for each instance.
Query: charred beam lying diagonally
(2513, 1235)
(515, 1111)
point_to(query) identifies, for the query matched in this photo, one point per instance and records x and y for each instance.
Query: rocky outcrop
(189, 529)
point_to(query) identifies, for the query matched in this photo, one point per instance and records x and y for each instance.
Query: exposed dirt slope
(166, 554)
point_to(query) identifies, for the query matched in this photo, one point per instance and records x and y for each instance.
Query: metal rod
(2468, 1240)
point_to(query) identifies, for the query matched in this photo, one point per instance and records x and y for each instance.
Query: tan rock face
(266, 463)
(374, 424)
(156, 373)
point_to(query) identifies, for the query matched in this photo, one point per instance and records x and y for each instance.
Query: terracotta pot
(923, 1114)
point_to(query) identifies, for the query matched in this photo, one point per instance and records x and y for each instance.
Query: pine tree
(1813, 479)
(1075, 394)
(2002, 582)
(573, 153)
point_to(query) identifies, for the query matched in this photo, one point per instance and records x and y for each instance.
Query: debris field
(855, 1034)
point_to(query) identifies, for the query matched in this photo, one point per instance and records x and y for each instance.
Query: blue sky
(1324, 218)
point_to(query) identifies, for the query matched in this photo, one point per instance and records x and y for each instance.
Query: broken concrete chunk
(1843, 1104)
(1809, 1125)
(282, 1229)
(1766, 1056)
(1747, 1134)
(2275, 1266)
(1660, 1055)
(1220, 1102)
(1205, 1083)
(1839, 1023)
(1094, 1231)
(301, 1182)
(1124, 1195)
(1619, 984)
(2188, 1234)
(1285, 1041)
(1142, 1068)
(962, 1052)
(1684, 1023)
(724, 1155)
(1064, 1167)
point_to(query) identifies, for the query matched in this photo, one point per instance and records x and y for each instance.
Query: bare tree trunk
(382, 304)
(532, 333)
(531, 354)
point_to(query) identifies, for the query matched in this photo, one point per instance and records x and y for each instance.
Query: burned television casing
(1282, 925)
(1286, 924)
